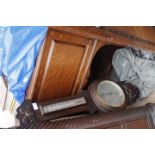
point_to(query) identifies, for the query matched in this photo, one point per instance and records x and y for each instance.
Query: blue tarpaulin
(19, 46)
(2, 36)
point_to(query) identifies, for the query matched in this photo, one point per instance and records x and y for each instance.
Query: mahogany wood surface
(142, 32)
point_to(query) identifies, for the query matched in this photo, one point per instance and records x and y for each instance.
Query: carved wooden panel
(63, 67)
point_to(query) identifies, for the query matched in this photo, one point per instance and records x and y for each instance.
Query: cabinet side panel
(61, 69)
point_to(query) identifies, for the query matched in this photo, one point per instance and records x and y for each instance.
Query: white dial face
(111, 93)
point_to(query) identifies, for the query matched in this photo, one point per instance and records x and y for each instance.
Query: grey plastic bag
(137, 67)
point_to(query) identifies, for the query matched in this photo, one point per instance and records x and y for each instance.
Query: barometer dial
(110, 93)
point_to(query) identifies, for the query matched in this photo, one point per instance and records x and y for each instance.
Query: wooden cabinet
(64, 61)
(63, 66)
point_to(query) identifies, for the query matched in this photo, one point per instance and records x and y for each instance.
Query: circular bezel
(99, 101)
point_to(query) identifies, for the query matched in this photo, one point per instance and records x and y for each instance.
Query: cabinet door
(64, 65)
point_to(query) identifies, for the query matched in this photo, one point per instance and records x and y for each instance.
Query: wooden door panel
(64, 65)
(61, 71)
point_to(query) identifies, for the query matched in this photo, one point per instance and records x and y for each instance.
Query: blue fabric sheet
(2, 36)
(19, 46)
